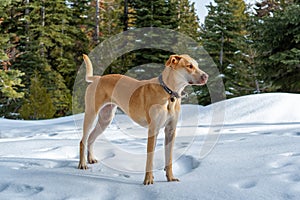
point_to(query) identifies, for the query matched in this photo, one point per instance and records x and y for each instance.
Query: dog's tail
(89, 77)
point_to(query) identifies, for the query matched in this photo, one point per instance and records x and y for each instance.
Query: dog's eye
(190, 66)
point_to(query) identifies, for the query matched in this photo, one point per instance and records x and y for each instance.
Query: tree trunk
(96, 35)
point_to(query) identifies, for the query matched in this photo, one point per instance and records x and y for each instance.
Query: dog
(153, 103)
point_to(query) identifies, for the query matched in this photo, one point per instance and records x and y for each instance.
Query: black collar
(167, 89)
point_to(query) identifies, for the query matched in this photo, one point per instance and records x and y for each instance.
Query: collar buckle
(167, 89)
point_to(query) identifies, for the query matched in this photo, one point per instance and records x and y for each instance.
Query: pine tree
(58, 37)
(223, 36)
(189, 26)
(277, 42)
(39, 104)
(188, 21)
(10, 82)
(110, 19)
(80, 10)
(11, 92)
(49, 49)
(11, 79)
(154, 13)
(44, 35)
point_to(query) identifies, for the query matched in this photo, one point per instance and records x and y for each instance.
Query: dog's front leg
(152, 135)
(170, 131)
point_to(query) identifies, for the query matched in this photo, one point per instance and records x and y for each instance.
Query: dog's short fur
(146, 102)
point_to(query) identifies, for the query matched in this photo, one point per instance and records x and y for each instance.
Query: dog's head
(188, 68)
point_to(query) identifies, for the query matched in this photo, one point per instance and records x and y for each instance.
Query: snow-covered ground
(256, 155)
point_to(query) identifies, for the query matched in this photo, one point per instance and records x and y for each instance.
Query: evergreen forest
(256, 47)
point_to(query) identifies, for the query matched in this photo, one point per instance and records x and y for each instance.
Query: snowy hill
(242, 148)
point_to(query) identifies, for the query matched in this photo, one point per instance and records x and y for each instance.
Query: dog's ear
(173, 60)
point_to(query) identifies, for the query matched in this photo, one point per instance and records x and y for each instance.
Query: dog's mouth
(200, 82)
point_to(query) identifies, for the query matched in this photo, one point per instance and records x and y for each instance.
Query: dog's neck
(174, 80)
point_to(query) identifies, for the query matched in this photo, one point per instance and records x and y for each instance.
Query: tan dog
(153, 103)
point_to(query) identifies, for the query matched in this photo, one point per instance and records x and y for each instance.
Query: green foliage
(46, 40)
(225, 38)
(11, 92)
(177, 15)
(10, 82)
(110, 15)
(188, 21)
(44, 36)
(57, 37)
(111, 23)
(58, 91)
(39, 104)
(155, 13)
(278, 42)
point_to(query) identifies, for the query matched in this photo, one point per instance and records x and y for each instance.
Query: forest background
(255, 47)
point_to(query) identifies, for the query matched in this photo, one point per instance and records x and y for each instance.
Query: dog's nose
(204, 76)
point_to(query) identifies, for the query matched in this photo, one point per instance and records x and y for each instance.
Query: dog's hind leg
(105, 117)
(89, 118)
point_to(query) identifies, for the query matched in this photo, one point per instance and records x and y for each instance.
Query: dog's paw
(148, 178)
(172, 179)
(92, 160)
(169, 174)
(82, 166)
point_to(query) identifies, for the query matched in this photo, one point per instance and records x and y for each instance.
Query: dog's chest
(173, 106)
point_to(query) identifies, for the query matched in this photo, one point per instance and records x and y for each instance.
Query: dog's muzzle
(200, 80)
(203, 79)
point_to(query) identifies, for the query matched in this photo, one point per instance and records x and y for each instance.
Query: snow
(251, 151)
